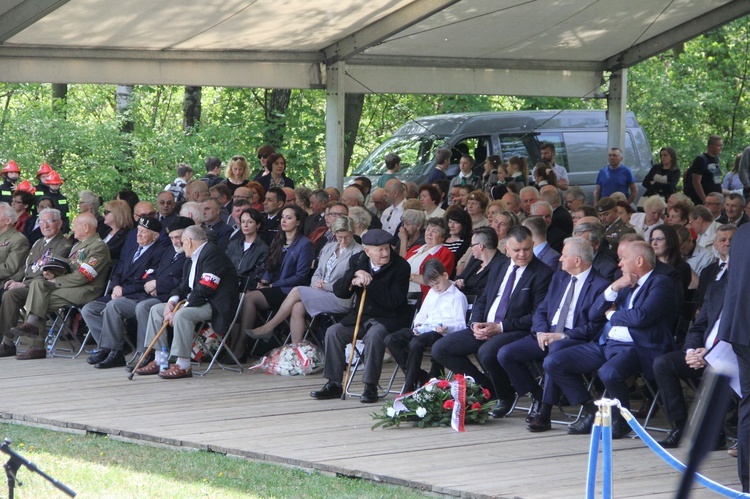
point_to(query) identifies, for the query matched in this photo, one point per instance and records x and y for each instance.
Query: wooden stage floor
(272, 418)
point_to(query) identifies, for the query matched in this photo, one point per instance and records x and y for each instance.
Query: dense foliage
(680, 97)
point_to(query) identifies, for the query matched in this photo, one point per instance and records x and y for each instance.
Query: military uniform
(614, 232)
(13, 300)
(89, 271)
(13, 248)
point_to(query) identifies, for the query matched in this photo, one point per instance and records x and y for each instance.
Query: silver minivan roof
(480, 123)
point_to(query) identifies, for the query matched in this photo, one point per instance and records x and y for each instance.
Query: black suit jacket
(168, 273)
(734, 323)
(708, 275)
(524, 300)
(561, 219)
(215, 282)
(709, 314)
(386, 295)
(133, 275)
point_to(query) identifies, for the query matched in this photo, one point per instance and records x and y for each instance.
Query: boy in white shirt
(443, 311)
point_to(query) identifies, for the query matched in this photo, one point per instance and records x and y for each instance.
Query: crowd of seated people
(580, 288)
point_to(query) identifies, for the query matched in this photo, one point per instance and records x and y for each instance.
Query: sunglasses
(238, 158)
(263, 156)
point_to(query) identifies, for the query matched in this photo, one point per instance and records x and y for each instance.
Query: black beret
(179, 223)
(150, 224)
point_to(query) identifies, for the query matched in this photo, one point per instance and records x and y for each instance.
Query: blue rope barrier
(673, 462)
(607, 488)
(596, 432)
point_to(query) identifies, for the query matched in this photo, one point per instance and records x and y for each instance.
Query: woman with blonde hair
(119, 219)
(237, 173)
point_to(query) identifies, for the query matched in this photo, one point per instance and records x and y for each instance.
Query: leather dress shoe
(98, 356)
(369, 394)
(25, 329)
(32, 354)
(151, 357)
(7, 350)
(583, 425)
(502, 408)
(329, 391)
(620, 428)
(533, 410)
(539, 424)
(115, 359)
(175, 372)
(672, 440)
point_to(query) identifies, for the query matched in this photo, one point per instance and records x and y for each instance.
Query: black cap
(58, 266)
(376, 237)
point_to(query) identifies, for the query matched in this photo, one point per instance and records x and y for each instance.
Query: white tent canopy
(516, 47)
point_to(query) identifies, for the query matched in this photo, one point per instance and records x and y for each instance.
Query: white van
(580, 139)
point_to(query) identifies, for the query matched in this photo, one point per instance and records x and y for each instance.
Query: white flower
(421, 412)
(429, 387)
(390, 412)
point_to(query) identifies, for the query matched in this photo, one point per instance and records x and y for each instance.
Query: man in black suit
(640, 308)
(561, 321)
(502, 314)
(735, 329)
(318, 201)
(386, 276)
(688, 363)
(561, 217)
(211, 293)
(605, 261)
(721, 245)
(106, 316)
(272, 206)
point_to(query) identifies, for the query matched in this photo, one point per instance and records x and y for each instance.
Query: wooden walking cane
(153, 342)
(354, 343)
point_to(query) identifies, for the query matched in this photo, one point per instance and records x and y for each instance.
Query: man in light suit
(211, 293)
(640, 308)
(552, 331)
(735, 329)
(502, 314)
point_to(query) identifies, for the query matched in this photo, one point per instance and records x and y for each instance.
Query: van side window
(523, 146)
(561, 152)
(476, 147)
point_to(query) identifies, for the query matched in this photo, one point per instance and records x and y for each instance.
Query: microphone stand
(14, 464)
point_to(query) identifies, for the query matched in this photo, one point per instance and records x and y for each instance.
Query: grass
(97, 466)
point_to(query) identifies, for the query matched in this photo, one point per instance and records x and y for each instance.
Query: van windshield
(415, 151)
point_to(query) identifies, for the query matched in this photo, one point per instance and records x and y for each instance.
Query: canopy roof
(523, 47)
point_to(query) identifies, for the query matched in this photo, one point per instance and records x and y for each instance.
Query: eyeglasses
(48, 222)
(474, 244)
(335, 215)
(238, 158)
(658, 239)
(263, 156)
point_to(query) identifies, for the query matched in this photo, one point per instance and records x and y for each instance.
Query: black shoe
(533, 410)
(673, 439)
(98, 356)
(369, 394)
(583, 425)
(539, 424)
(502, 408)
(329, 391)
(115, 359)
(619, 429)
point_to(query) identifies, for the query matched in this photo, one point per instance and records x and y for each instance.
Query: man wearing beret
(386, 276)
(14, 292)
(106, 316)
(89, 264)
(210, 292)
(614, 226)
(13, 246)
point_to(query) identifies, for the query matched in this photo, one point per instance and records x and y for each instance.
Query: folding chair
(238, 367)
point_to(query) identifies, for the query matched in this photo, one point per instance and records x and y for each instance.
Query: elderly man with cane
(385, 275)
(211, 293)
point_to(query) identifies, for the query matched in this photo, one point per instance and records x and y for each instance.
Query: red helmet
(26, 186)
(11, 167)
(53, 178)
(44, 169)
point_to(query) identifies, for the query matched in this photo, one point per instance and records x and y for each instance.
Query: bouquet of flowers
(438, 403)
(292, 360)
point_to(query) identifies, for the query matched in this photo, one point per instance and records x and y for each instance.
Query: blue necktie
(502, 308)
(138, 253)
